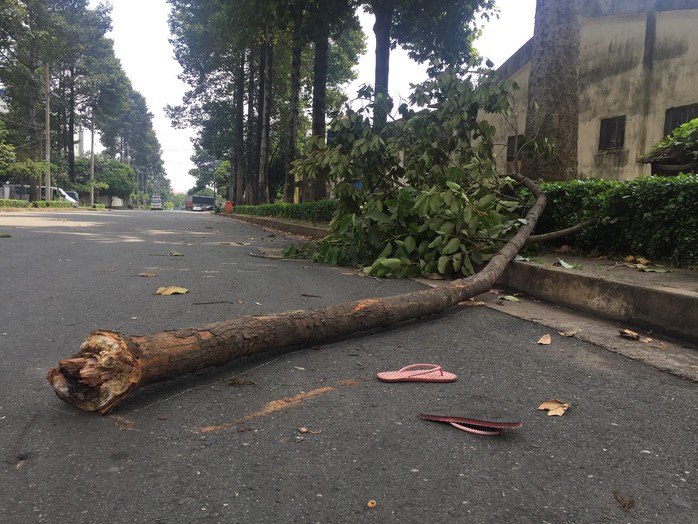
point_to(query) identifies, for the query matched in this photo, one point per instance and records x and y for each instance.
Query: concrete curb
(295, 228)
(669, 311)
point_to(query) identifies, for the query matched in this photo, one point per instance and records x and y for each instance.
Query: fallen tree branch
(546, 237)
(111, 365)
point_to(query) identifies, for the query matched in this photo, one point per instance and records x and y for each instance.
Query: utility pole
(48, 136)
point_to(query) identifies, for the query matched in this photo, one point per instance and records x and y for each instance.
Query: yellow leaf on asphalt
(629, 258)
(555, 408)
(147, 275)
(171, 290)
(545, 339)
(626, 333)
(471, 302)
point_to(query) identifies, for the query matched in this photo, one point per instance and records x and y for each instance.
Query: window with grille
(675, 116)
(612, 134)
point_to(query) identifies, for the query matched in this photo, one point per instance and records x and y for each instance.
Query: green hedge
(655, 217)
(14, 203)
(320, 211)
(52, 203)
(38, 203)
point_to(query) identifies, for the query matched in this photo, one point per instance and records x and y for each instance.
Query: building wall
(610, 85)
(632, 62)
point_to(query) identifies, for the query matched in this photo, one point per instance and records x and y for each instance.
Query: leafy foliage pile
(419, 195)
(650, 216)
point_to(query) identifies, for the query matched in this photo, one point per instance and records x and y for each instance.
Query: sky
(140, 33)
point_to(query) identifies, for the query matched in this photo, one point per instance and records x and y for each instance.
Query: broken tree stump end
(100, 376)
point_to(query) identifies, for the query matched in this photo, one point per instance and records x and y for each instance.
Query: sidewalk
(655, 298)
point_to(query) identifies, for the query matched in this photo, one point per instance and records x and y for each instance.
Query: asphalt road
(223, 445)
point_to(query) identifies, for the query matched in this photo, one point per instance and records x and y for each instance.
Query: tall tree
(440, 31)
(553, 89)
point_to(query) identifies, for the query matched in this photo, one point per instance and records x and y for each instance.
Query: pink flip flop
(418, 373)
(471, 425)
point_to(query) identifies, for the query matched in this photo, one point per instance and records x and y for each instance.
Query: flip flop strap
(432, 368)
(495, 431)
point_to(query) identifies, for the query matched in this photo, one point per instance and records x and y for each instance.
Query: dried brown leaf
(147, 275)
(555, 408)
(545, 340)
(569, 333)
(470, 303)
(171, 290)
(626, 333)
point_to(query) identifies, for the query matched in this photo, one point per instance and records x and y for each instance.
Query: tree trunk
(294, 103)
(70, 139)
(265, 119)
(318, 186)
(554, 87)
(249, 183)
(110, 365)
(239, 148)
(383, 11)
(34, 152)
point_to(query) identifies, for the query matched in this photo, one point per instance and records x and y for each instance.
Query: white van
(62, 195)
(156, 203)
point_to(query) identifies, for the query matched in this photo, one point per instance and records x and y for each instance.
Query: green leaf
(436, 242)
(487, 200)
(443, 264)
(447, 228)
(410, 244)
(386, 250)
(457, 261)
(452, 246)
(435, 203)
(453, 186)
(378, 216)
(510, 298)
(392, 263)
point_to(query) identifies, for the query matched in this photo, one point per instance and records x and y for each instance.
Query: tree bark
(265, 119)
(70, 139)
(383, 11)
(294, 102)
(110, 365)
(318, 186)
(239, 156)
(251, 135)
(554, 87)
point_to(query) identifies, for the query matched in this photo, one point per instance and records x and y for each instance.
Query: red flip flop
(471, 425)
(418, 373)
